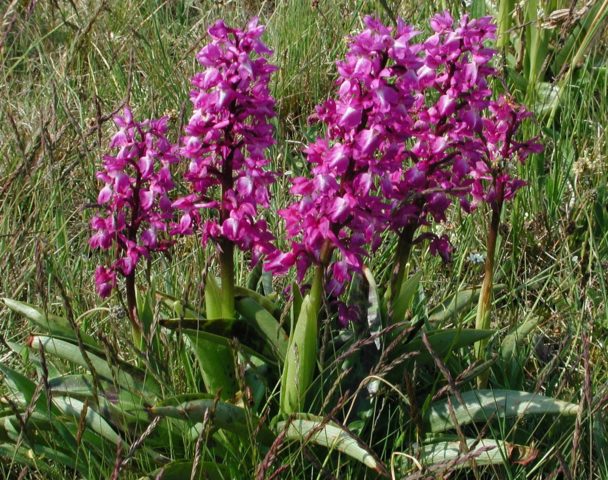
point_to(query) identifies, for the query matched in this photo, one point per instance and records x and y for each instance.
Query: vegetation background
(67, 66)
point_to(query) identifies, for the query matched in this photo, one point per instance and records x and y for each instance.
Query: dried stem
(482, 320)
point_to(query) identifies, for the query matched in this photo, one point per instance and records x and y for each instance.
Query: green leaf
(79, 386)
(296, 305)
(50, 323)
(182, 469)
(213, 298)
(444, 342)
(263, 300)
(217, 362)
(23, 456)
(332, 436)
(71, 353)
(302, 352)
(480, 451)
(73, 408)
(265, 324)
(145, 310)
(374, 319)
(221, 414)
(454, 305)
(23, 388)
(513, 340)
(481, 405)
(404, 300)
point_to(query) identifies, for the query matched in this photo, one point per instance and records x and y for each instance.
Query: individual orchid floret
(226, 141)
(134, 200)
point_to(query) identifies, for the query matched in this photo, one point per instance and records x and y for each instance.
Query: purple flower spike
(226, 140)
(412, 130)
(134, 200)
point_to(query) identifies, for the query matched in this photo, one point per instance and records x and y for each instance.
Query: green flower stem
(132, 310)
(482, 320)
(227, 276)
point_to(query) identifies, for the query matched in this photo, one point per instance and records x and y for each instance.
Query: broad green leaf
(505, 11)
(213, 298)
(482, 405)
(50, 323)
(302, 352)
(443, 342)
(24, 456)
(219, 326)
(221, 414)
(480, 451)
(265, 324)
(266, 302)
(454, 305)
(178, 306)
(512, 340)
(296, 305)
(182, 469)
(374, 319)
(23, 388)
(79, 386)
(254, 276)
(70, 352)
(216, 360)
(73, 408)
(404, 300)
(332, 436)
(145, 310)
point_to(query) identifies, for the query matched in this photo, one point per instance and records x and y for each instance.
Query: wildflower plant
(414, 128)
(225, 142)
(135, 204)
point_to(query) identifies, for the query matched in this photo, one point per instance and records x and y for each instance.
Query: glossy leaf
(222, 415)
(405, 298)
(301, 356)
(265, 324)
(50, 323)
(374, 319)
(216, 360)
(482, 405)
(70, 352)
(513, 340)
(332, 436)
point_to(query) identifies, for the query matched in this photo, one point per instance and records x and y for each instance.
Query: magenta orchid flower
(226, 141)
(413, 127)
(227, 138)
(135, 205)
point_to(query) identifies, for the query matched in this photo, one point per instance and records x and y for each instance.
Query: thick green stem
(316, 289)
(482, 320)
(227, 276)
(132, 310)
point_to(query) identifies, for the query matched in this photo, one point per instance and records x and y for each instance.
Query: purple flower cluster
(412, 128)
(134, 199)
(226, 139)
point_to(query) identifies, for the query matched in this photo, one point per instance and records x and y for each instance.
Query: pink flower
(226, 140)
(134, 198)
(412, 130)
